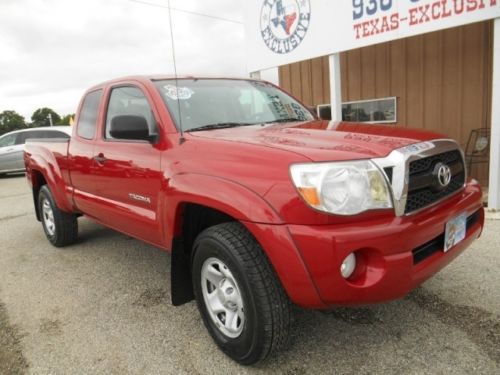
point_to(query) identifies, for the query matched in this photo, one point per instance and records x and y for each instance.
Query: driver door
(127, 173)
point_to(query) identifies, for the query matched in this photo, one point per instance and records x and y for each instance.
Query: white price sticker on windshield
(178, 93)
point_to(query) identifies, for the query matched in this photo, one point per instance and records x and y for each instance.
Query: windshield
(215, 103)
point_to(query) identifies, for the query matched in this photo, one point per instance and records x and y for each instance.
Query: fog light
(348, 266)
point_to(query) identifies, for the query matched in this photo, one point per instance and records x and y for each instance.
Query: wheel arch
(225, 196)
(193, 219)
(41, 171)
(197, 202)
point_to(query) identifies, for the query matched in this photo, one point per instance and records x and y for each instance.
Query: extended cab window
(88, 115)
(125, 101)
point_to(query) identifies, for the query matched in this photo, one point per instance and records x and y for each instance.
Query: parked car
(12, 145)
(261, 204)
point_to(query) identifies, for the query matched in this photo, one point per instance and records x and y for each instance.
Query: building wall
(442, 80)
(307, 80)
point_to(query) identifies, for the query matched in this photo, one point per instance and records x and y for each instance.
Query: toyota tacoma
(261, 204)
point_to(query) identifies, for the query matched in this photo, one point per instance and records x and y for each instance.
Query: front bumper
(385, 249)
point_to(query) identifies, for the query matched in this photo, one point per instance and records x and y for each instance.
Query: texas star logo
(284, 24)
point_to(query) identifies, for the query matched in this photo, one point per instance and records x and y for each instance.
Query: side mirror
(130, 127)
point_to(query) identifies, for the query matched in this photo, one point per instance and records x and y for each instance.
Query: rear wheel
(241, 301)
(61, 228)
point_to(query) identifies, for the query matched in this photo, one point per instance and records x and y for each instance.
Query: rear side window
(88, 115)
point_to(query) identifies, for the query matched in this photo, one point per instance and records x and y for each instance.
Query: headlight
(343, 188)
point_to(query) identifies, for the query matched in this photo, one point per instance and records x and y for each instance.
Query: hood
(323, 140)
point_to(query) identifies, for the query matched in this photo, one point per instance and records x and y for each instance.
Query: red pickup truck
(260, 203)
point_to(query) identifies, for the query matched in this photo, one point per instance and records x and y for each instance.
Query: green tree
(11, 120)
(65, 120)
(41, 117)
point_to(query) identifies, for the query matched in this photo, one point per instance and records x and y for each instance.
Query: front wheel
(241, 301)
(61, 228)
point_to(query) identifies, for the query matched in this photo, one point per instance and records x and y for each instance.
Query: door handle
(100, 158)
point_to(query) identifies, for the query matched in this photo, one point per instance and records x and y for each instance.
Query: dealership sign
(284, 24)
(279, 32)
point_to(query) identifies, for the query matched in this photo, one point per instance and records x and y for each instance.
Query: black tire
(267, 308)
(65, 226)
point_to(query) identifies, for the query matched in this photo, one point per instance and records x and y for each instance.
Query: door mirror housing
(131, 127)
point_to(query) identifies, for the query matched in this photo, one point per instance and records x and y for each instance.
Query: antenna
(181, 139)
(198, 14)
(188, 12)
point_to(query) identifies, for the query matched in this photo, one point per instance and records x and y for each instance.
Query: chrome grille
(422, 190)
(414, 171)
(425, 164)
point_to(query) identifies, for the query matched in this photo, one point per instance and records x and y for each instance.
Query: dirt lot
(102, 306)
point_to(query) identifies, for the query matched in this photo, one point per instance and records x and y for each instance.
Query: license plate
(455, 231)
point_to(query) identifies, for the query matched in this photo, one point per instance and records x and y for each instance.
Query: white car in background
(12, 145)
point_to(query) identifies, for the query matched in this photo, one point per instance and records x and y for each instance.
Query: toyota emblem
(443, 174)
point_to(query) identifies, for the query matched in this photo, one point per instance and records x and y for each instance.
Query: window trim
(394, 98)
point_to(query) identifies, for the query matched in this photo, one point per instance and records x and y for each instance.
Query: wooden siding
(307, 80)
(442, 80)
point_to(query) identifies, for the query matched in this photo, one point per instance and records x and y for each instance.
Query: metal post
(335, 87)
(494, 187)
(50, 119)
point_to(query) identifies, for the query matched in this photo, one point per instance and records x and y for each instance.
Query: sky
(51, 51)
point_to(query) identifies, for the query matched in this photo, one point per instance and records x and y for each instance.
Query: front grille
(422, 190)
(425, 164)
(437, 244)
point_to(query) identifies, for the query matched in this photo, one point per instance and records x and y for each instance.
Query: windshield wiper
(227, 125)
(220, 125)
(290, 119)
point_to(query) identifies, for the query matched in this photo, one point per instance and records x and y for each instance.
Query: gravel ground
(102, 306)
